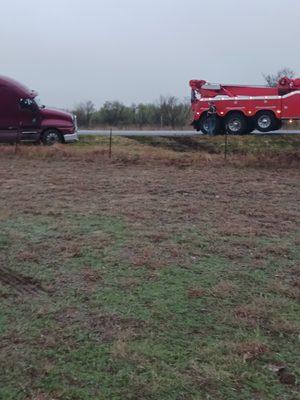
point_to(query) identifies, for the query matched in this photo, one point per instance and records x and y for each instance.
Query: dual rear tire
(266, 121)
(236, 124)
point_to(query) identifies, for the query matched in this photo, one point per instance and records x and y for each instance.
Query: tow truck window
(193, 96)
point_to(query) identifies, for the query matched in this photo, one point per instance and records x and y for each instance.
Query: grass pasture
(164, 273)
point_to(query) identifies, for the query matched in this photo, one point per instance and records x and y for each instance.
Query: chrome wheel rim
(52, 138)
(264, 121)
(235, 125)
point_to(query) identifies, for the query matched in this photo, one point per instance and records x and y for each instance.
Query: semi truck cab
(24, 119)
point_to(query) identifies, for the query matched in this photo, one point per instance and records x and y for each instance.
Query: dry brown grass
(251, 315)
(137, 154)
(196, 292)
(251, 350)
(282, 326)
(292, 291)
(223, 289)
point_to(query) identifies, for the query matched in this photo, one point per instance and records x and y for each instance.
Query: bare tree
(173, 113)
(84, 112)
(272, 79)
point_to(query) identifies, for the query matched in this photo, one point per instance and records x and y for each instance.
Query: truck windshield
(27, 104)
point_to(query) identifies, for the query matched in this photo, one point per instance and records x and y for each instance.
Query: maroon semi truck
(23, 119)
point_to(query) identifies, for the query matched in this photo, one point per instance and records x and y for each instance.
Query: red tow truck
(241, 109)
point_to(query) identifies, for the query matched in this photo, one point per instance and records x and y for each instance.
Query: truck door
(291, 105)
(9, 110)
(29, 119)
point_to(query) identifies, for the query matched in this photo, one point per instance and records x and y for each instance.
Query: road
(168, 133)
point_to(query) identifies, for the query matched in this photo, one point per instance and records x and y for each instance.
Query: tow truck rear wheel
(236, 124)
(278, 124)
(265, 121)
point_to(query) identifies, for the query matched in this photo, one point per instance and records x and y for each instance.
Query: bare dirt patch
(20, 283)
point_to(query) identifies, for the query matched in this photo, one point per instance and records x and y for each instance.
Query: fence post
(17, 142)
(226, 145)
(110, 143)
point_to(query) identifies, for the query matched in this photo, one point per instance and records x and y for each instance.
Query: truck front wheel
(203, 125)
(236, 124)
(265, 121)
(50, 137)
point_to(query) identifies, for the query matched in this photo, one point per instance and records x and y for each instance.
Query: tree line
(168, 112)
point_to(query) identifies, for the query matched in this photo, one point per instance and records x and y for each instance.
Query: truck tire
(265, 121)
(204, 127)
(278, 124)
(196, 125)
(51, 136)
(236, 124)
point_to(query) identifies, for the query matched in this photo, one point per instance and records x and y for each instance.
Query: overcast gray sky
(135, 50)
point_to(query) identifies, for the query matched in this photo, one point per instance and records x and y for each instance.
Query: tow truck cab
(23, 119)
